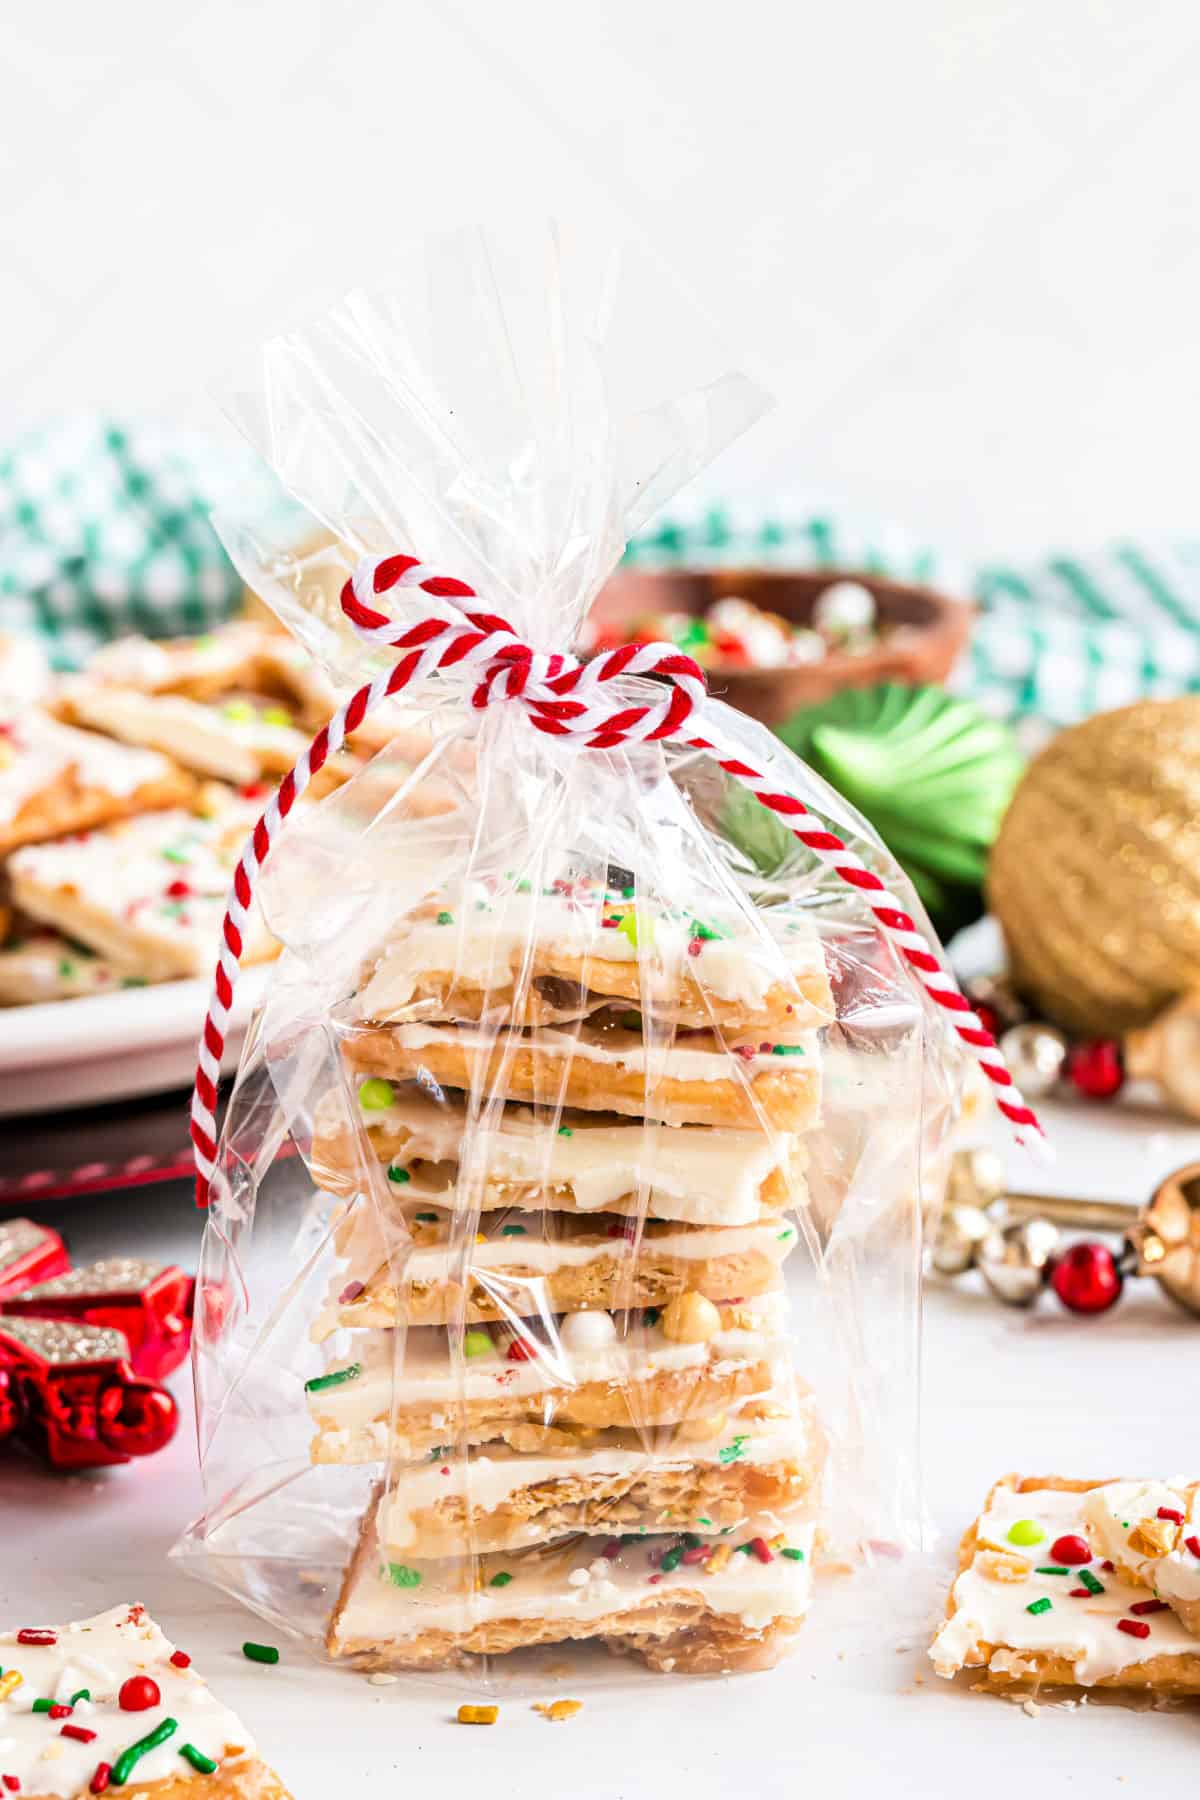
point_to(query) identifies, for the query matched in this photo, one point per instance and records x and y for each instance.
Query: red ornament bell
(1097, 1069)
(1086, 1278)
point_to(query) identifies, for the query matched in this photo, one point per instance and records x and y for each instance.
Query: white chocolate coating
(100, 1654)
(1113, 1513)
(575, 1580)
(489, 1477)
(36, 751)
(625, 1050)
(497, 931)
(417, 1368)
(201, 736)
(696, 1174)
(111, 887)
(1084, 1630)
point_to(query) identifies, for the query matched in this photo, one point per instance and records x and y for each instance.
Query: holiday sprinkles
(106, 1703)
(1123, 1588)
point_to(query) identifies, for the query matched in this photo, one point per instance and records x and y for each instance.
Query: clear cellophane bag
(560, 1283)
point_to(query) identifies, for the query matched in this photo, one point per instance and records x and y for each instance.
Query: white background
(959, 237)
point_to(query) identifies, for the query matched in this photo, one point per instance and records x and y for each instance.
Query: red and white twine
(562, 697)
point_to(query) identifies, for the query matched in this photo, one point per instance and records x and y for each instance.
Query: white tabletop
(1042, 1392)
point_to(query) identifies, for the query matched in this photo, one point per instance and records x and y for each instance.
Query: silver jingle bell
(960, 1232)
(1013, 1259)
(976, 1178)
(1035, 1054)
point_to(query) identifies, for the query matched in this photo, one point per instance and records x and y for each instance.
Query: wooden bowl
(934, 630)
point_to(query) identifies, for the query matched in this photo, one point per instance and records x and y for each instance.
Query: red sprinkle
(351, 1291)
(251, 790)
(12, 1783)
(99, 1780)
(29, 1636)
(612, 1548)
(695, 946)
(701, 1553)
(1171, 1513)
(80, 1733)
(521, 1350)
(1133, 1628)
(1148, 1606)
(60, 1712)
(746, 1051)
(181, 1659)
(1078, 1594)
(1193, 1544)
(1070, 1550)
(178, 890)
(651, 1579)
(1108, 1567)
(138, 1693)
(761, 1549)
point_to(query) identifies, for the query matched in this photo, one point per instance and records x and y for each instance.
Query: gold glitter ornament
(1095, 873)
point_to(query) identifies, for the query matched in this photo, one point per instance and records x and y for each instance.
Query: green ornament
(931, 772)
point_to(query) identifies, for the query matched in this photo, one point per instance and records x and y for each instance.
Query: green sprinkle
(376, 1095)
(788, 1050)
(445, 918)
(427, 1218)
(524, 887)
(400, 1575)
(1088, 1580)
(262, 1653)
(742, 1549)
(731, 1452)
(792, 1555)
(399, 1176)
(500, 1580)
(438, 1451)
(637, 931)
(42, 1705)
(204, 1765)
(512, 1231)
(122, 1769)
(337, 1378)
(1052, 1571)
(477, 1343)
(671, 1559)
(276, 715)
(704, 1521)
(134, 981)
(705, 932)
(177, 853)
(1039, 1606)
(565, 1131)
(83, 1694)
(66, 969)
(785, 1234)
(1025, 1531)
(627, 893)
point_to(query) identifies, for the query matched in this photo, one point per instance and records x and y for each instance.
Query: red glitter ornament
(1097, 1069)
(138, 1694)
(1086, 1278)
(1070, 1550)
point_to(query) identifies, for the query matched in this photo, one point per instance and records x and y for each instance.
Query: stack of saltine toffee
(570, 1167)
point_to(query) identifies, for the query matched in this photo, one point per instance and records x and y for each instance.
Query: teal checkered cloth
(104, 530)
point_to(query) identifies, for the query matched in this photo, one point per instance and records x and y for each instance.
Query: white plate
(112, 1046)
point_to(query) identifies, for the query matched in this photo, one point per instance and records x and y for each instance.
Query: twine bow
(561, 697)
